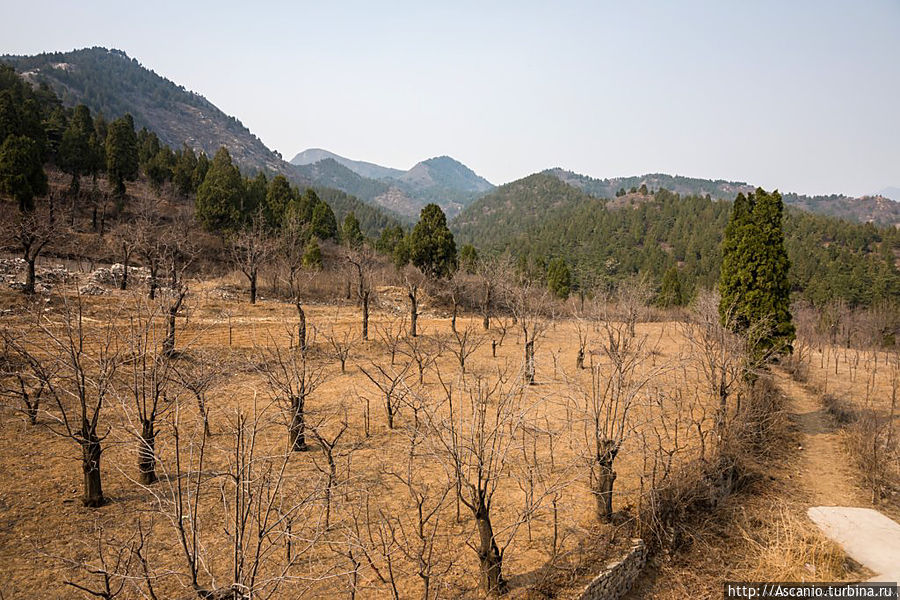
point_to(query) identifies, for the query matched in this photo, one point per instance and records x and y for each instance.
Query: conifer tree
(753, 284)
(431, 247)
(350, 232)
(670, 293)
(121, 153)
(278, 197)
(219, 196)
(78, 148)
(559, 279)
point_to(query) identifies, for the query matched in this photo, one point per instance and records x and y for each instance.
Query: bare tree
(23, 375)
(86, 366)
(328, 444)
(30, 232)
(197, 374)
(413, 280)
(424, 351)
(148, 393)
(390, 383)
(125, 240)
(464, 344)
(475, 440)
(174, 306)
(361, 260)
(391, 334)
(341, 344)
(291, 379)
(615, 389)
(250, 249)
(528, 303)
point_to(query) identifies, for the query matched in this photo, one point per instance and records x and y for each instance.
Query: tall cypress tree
(219, 197)
(754, 284)
(121, 153)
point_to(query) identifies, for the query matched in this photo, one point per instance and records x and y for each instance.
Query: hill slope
(110, 82)
(541, 217)
(877, 209)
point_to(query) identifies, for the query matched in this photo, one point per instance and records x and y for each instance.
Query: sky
(802, 96)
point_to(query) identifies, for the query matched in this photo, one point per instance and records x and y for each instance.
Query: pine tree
(219, 196)
(670, 293)
(754, 284)
(78, 148)
(468, 258)
(559, 279)
(350, 232)
(278, 197)
(121, 153)
(432, 248)
(323, 223)
(22, 170)
(312, 255)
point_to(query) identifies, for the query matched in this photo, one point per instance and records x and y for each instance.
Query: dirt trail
(823, 470)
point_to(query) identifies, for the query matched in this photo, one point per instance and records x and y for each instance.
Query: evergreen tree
(559, 279)
(468, 258)
(753, 284)
(121, 153)
(432, 248)
(253, 202)
(183, 171)
(78, 149)
(670, 293)
(312, 255)
(278, 196)
(22, 170)
(350, 232)
(220, 195)
(390, 237)
(323, 223)
(200, 171)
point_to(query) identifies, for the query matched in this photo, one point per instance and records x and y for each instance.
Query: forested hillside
(540, 218)
(111, 83)
(867, 209)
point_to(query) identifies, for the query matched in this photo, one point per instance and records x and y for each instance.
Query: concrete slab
(867, 536)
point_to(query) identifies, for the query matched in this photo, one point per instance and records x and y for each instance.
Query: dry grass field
(366, 510)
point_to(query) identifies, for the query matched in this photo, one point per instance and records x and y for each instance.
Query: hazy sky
(797, 95)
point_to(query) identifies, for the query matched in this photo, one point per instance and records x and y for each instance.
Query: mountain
(361, 168)
(878, 209)
(540, 217)
(110, 82)
(442, 180)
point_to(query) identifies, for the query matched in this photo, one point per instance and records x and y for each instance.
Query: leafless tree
(422, 350)
(341, 344)
(148, 392)
(615, 389)
(250, 249)
(475, 440)
(361, 260)
(413, 280)
(391, 333)
(197, 374)
(125, 240)
(30, 232)
(112, 569)
(390, 382)
(85, 370)
(464, 344)
(328, 444)
(174, 306)
(23, 375)
(528, 303)
(291, 379)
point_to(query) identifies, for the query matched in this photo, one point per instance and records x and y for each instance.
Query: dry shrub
(783, 546)
(840, 410)
(872, 443)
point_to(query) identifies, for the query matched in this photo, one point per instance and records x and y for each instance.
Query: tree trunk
(365, 323)
(147, 453)
(90, 464)
(579, 360)
(301, 328)
(154, 279)
(529, 362)
(603, 478)
(453, 318)
(413, 313)
(253, 286)
(494, 348)
(297, 433)
(485, 308)
(389, 407)
(169, 342)
(29, 274)
(123, 285)
(489, 557)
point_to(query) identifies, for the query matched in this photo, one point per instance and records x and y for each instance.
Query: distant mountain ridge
(442, 180)
(877, 209)
(362, 168)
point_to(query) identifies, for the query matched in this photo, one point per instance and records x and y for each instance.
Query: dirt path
(823, 470)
